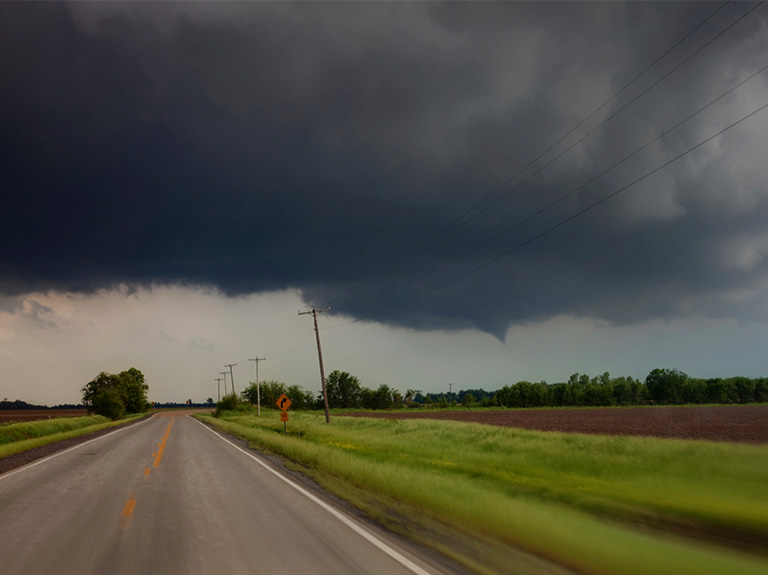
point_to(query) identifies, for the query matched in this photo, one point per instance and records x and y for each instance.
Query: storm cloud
(326, 148)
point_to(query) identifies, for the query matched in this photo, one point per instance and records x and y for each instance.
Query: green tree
(271, 390)
(229, 402)
(695, 391)
(344, 390)
(106, 390)
(666, 385)
(250, 393)
(598, 394)
(382, 398)
(133, 390)
(745, 389)
(300, 398)
(410, 395)
(761, 390)
(622, 392)
(539, 395)
(107, 403)
(100, 384)
(721, 391)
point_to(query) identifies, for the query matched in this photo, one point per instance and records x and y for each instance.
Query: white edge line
(79, 445)
(375, 541)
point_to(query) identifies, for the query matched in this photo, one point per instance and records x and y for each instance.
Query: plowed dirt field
(20, 415)
(716, 423)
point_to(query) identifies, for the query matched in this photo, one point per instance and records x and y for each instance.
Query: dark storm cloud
(257, 147)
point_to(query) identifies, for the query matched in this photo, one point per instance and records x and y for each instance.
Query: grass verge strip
(465, 476)
(53, 430)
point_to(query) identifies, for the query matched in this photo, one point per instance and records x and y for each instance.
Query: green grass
(18, 437)
(595, 504)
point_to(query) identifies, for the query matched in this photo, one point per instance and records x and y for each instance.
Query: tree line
(661, 387)
(344, 391)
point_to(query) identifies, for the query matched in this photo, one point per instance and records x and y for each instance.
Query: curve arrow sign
(283, 402)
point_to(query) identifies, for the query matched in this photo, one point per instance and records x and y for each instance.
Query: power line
(456, 225)
(286, 335)
(578, 188)
(517, 186)
(295, 349)
(577, 214)
(291, 352)
(592, 131)
(572, 130)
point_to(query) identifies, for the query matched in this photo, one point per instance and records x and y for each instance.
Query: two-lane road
(170, 496)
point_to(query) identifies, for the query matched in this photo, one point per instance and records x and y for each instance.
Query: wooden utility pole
(258, 390)
(224, 373)
(314, 313)
(218, 380)
(231, 377)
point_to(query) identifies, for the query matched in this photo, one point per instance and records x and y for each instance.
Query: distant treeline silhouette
(18, 404)
(661, 387)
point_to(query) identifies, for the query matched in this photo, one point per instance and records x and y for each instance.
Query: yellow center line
(131, 503)
(128, 509)
(162, 445)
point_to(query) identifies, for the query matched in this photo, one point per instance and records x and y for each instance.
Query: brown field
(715, 423)
(20, 415)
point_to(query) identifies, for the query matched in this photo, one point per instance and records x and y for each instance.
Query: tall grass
(582, 501)
(18, 437)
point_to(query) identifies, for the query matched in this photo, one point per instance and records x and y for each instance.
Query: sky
(481, 192)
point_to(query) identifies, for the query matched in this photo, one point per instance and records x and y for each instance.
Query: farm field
(501, 499)
(748, 423)
(21, 415)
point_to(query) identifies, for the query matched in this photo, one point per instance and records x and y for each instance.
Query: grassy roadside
(594, 504)
(18, 437)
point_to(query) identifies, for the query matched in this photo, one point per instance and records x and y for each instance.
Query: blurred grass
(18, 437)
(596, 504)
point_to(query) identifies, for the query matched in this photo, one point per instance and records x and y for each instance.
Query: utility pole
(224, 373)
(258, 389)
(231, 377)
(314, 313)
(218, 380)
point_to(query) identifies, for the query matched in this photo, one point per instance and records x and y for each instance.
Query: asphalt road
(170, 496)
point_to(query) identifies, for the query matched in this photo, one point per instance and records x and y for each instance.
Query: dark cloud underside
(257, 147)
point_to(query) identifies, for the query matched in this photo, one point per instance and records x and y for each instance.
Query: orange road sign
(283, 403)
(284, 416)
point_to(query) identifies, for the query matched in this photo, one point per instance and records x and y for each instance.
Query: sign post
(283, 402)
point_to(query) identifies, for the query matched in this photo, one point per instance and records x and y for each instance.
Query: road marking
(78, 446)
(372, 539)
(162, 445)
(146, 471)
(128, 509)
